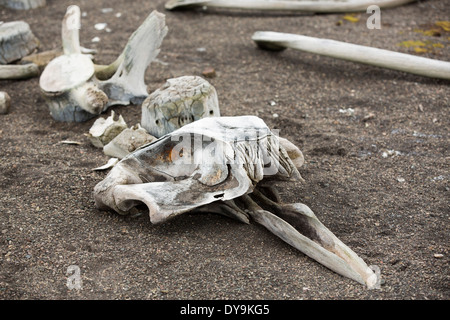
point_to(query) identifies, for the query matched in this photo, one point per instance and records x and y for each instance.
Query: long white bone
(355, 53)
(17, 72)
(320, 6)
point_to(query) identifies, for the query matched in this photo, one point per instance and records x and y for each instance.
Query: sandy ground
(393, 211)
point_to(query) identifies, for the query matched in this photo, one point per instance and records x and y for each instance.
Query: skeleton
(76, 89)
(278, 41)
(225, 165)
(319, 6)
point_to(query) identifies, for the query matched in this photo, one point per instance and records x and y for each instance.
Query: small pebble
(5, 102)
(209, 73)
(100, 26)
(438, 255)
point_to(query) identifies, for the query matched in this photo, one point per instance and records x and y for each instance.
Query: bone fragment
(16, 41)
(104, 130)
(179, 102)
(355, 53)
(22, 4)
(18, 72)
(5, 102)
(127, 141)
(293, 152)
(111, 163)
(291, 6)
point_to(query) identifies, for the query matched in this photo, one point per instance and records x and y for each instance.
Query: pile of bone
(180, 101)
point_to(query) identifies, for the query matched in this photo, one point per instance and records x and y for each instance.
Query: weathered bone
(70, 85)
(179, 102)
(111, 163)
(320, 6)
(356, 53)
(16, 41)
(22, 4)
(127, 141)
(182, 153)
(67, 82)
(5, 102)
(18, 72)
(104, 130)
(70, 93)
(297, 225)
(220, 165)
(127, 85)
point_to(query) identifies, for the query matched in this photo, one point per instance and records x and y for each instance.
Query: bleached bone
(179, 102)
(355, 53)
(5, 102)
(70, 93)
(224, 165)
(111, 163)
(127, 141)
(22, 4)
(17, 72)
(69, 82)
(104, 130)
(127, 85)
(320, 6)
(16, 41)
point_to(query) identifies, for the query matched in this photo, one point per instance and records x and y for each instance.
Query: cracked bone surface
(225, 165)
(319, 6)
(16, 41)
(76, 89)
(127, 141)
(104, 130)
(277, 41)
(180, 101)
